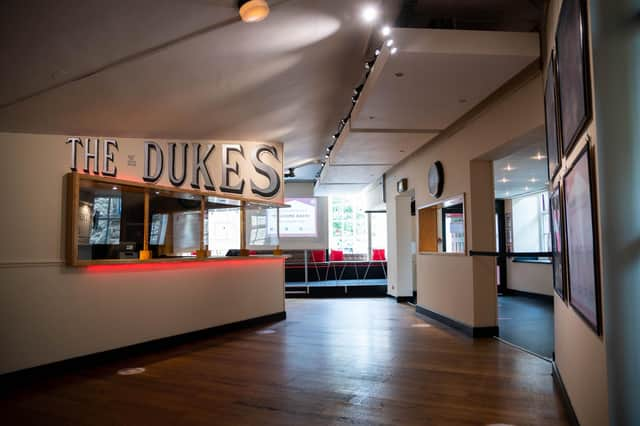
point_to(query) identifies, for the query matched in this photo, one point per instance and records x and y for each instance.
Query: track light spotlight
(369, 65)
(354, 98)
(389, 42)
(377, 52)
(336, 136)
(357, 90)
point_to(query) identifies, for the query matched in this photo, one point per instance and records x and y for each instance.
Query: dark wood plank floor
(368, 361)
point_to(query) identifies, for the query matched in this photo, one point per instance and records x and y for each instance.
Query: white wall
(50, 312)
(530, 277)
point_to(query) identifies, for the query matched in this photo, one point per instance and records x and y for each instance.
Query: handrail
(511, 254)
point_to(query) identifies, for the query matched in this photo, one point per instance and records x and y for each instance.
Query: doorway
(524, 281)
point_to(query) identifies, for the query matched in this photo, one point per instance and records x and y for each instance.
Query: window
(348, 227)
(531, 228)
(378, 237)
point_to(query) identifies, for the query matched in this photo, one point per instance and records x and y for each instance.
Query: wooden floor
(363, 362)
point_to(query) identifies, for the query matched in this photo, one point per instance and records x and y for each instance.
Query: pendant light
(253, 10)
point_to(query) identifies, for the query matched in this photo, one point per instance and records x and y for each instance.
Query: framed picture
(574, 85)
(558, 241)
(551, 119)
(582, 254)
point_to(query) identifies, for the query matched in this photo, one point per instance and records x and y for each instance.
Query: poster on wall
(557, 242)
(299, 219)
(573, 72)
(582, 258)
(551, 119)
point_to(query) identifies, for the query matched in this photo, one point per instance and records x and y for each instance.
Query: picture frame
(582, 257)
(558, 241)
(573, 72)
(552, 125)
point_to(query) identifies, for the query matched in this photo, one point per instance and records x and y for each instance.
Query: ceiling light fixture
(386, 30)
(370, 14)
(336, 136)
(377, 52)
(389, 43)
(533, 180)
(504, 180)
(369, 65)
(253, 10)
(508, 168)
(393, 50)
(358, 89)
(538, 156)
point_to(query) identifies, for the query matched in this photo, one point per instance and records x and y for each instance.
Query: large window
(348, 228)
(531, 229)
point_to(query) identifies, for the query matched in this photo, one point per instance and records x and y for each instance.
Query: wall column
(616, 64)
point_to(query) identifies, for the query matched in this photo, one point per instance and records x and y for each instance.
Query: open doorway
(523, 238)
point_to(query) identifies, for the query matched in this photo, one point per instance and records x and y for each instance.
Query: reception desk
(52, 312)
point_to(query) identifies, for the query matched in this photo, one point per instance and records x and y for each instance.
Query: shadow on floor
(527, 322)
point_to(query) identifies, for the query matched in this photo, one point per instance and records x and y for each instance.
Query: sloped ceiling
(185, 69)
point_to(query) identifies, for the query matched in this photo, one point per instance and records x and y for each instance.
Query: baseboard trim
(336, 292)
(41, 371)
(403, 299)
(557, 379)
(513, 292)
(464, 328)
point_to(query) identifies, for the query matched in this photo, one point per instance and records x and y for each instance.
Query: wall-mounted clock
(402, 185)
(436, 179)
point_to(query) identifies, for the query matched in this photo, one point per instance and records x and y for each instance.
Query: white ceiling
(435, 77)
(524, 170)
(185, 69)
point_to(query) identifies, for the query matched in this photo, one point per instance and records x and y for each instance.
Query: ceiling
(189, 69)
(434, 78)
(524, 170)
(185, 69)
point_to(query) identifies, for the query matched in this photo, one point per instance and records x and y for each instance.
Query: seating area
(310, 266)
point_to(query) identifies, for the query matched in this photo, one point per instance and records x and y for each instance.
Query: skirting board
(513, 292)
(42, 371)
(466, 329)
(557, 378)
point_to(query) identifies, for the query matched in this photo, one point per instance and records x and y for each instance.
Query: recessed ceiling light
(115, 188)
(377, 52)
(389, 43)
(370, 14)
(393, 50)
(253, 10)
(533, 180)
(386, 30)
(504, 180)
(508, 168)
(538, 156)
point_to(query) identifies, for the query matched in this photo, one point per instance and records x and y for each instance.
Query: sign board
(251, 170)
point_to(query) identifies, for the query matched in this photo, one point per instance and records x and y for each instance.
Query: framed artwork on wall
(573, 75)
(582, 252)
(557, 241)
(551, 119)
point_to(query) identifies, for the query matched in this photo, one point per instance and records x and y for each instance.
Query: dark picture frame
(582, 257)
(558, 241)
(552, 118)
(573, 72)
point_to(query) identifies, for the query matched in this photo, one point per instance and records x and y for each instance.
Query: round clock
(436, 179)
